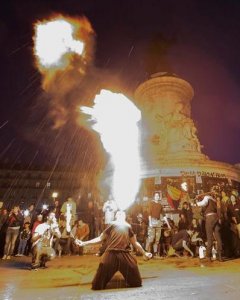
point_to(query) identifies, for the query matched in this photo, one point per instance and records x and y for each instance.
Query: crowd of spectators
(17, 226)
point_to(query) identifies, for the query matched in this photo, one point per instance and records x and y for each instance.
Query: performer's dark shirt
(117, 237)
(181, 235)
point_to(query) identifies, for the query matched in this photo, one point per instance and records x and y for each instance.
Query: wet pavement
(69, 277)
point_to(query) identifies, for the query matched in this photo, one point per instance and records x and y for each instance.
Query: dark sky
(197, 40)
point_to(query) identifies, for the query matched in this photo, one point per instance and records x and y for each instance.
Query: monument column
(169, 132)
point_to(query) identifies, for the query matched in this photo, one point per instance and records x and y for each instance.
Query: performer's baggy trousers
(113, 261)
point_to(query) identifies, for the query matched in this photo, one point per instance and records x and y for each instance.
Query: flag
(173, 196)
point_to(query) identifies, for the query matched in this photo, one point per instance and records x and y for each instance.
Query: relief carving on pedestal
(175, 132)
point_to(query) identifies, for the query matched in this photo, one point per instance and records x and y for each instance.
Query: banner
(173, 196)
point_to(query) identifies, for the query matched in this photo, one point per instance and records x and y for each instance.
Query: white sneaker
(4, 256)
(18, 255)
(9, 257)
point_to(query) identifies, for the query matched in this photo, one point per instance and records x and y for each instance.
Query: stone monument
(170, 145)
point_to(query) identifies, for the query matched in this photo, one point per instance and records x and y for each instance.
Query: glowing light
(116, 119)
(26, 213)
(45, 207)
(68, 217)
(55, 43)
(55, 195)
(184, 186)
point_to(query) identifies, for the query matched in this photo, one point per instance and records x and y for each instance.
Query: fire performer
(211, 212)
(42, 241)
(117, 255)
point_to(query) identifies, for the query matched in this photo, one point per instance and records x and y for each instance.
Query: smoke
(68, 82)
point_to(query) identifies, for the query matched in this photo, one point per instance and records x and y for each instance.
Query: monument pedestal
(170, 146)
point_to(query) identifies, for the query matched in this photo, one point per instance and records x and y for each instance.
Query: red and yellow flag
(173, 196)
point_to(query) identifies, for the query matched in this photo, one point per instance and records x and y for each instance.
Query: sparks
(116, 119)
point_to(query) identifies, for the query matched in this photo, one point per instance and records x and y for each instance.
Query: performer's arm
(96, 240)
(137, 246)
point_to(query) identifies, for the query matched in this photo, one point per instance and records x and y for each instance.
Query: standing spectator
(15, 221)
(154, 225)
(30, 214)
(187, 211)
(135, 210)
(183, 222)
(3, 217)
(69, 206)
(234, 213)
(57, 209)
(1, 206)
(109, 210)
(90, 218)
(140, 229)
(234, 219)
(98, 215)
(3, 225)
(24, 236)
(210, 208)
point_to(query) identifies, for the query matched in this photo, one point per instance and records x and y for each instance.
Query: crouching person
(118, 236)
(42, 239)
(181, 241)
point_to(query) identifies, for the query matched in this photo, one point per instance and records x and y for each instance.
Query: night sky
(197, 40)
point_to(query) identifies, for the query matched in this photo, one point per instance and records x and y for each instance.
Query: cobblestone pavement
(70, 277)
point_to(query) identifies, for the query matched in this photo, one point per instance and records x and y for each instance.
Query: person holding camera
(42, 240)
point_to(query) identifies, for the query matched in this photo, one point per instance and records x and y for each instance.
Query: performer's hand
(147, 255)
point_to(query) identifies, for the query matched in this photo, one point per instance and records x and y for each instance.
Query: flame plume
(116, 119)
(56, 41)
(63, 48)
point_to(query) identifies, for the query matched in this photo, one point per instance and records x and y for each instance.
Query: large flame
(56, 41)
(116, 119)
